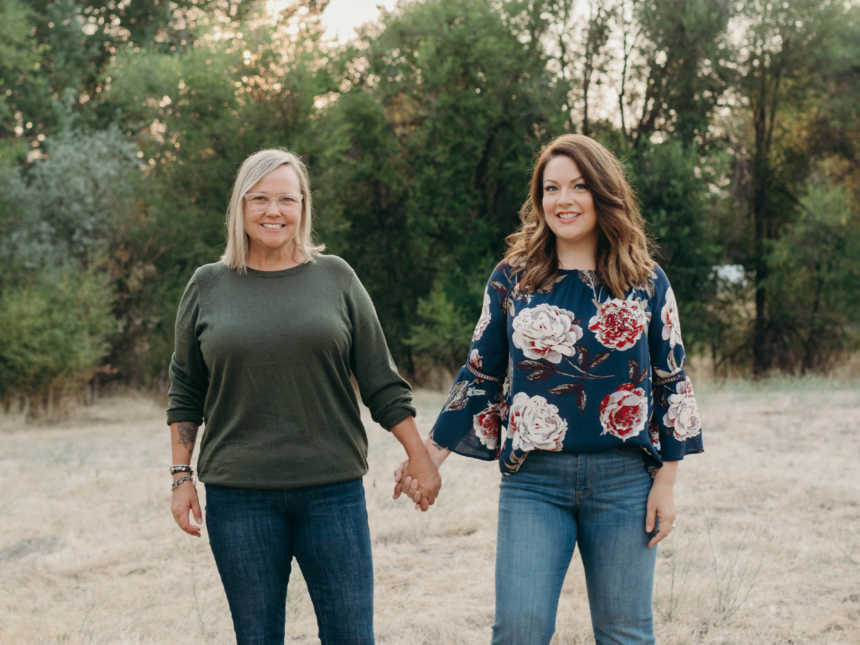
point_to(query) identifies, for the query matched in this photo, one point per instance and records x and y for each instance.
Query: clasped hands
(419, 478)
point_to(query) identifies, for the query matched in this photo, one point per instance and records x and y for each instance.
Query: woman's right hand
(185, 501)
(405, 483)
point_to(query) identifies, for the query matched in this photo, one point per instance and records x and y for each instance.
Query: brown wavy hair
(623, 247)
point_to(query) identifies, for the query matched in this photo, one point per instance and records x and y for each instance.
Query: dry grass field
(767, 549)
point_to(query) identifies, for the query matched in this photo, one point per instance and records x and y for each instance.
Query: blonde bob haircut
(623, 248)
(253, 169)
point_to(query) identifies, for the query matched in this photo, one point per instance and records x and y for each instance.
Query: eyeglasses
(259, 203)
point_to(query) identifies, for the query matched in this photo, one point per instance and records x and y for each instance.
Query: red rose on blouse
(618, 323)
(624, 412)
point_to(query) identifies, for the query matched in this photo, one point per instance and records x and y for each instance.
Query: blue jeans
(554, 502)
(254, 535)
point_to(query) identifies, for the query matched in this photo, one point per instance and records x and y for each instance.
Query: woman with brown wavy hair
(575, 382)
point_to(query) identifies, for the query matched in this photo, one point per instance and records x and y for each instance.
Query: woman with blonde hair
(575, 382)
(267, 341)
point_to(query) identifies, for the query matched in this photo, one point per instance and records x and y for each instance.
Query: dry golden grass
(767, 548)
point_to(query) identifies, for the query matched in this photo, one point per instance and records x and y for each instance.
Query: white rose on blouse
(534, 424)
(670, 320)
(546, 332)
(683, 413)
(484, 320)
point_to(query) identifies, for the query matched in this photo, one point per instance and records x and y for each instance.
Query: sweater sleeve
(386, 394)
(470, 420)
(189, 376)
(675, 419)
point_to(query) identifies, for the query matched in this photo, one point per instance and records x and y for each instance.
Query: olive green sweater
(265, 359)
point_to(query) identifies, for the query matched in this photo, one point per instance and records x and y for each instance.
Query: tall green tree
(683, 66)
(197, 114)
(672, 185)
(21, 85)
(60, 222)
(444, 109)
(813, 276)
(574, 41)
(788, 59)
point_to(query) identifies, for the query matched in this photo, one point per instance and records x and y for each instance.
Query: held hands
(185, 500)
(413, 478)
(420, 480)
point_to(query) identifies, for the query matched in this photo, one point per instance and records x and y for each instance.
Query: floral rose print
(534, 423)
(486, 425)
(457, 396)
(618, 323)
(475, 359)
(573, 368)
(683, 413)
(546, 332)
(484, 319)
(654, 434)
(623, 413)
(670, 320)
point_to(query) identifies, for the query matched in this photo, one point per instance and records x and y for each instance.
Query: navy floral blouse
(571, 368)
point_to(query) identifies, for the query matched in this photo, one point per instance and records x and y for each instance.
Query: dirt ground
(767, 548)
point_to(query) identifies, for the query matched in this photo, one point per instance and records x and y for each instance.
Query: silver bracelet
(181, 480)
(180, 468)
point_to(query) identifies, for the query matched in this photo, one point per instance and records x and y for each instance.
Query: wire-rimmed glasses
(260, 202)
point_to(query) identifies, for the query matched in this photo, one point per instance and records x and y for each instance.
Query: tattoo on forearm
(187, 434)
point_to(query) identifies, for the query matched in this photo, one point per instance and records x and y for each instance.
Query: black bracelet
(180, 468)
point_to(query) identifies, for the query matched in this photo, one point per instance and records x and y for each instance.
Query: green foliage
(77, 39)
(69, 205)
(672, 191)
(197, 114)
(20, 85)
(122, 125)
(434, 139)
(791, 56)
(361, 200)
(65, 220)
(54, 331)
(441, 333)
(813, 313)
(685, 67)
(82, 190)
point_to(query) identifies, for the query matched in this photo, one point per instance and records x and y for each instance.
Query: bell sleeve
(675, 420)
(471, 417)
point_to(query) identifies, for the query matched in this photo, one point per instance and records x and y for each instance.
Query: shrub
(441, 333)
(53, 333)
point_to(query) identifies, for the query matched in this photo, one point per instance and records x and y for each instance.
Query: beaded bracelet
(181, 480)
(180, 468)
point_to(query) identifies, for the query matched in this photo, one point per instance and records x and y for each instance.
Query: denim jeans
(554, 502)
(254, 535)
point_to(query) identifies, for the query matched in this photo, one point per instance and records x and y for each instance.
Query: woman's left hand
(420, 482)
(660, 510)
